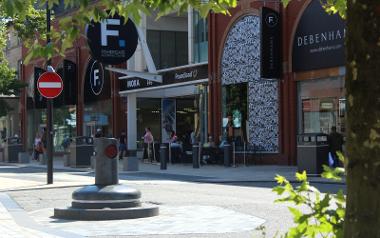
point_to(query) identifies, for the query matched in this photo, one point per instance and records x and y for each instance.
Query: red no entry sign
(50, 85)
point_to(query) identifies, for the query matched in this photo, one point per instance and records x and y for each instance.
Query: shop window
(148, 115)
(200, 29)
(64, 125)
(97, 115)
(321, 105)
(168, 48)
(234, 111)
(187, 118)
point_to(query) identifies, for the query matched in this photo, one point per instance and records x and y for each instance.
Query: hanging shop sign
(270, 44)
(39, 100)
(96, 78)
(113, 40)
(97, 85)
(179, 75)
(70, 82)
(319, 40)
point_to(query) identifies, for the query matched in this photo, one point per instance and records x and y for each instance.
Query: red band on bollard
(111, 151)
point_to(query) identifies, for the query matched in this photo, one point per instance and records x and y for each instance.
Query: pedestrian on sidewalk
(38, 147)
(335, 140)
(148, 144)
(122, 145)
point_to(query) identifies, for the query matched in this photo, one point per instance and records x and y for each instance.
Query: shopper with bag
(38, 147)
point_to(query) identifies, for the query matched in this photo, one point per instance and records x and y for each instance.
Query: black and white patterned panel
(241, 55)
(241, 63)
(263, 116)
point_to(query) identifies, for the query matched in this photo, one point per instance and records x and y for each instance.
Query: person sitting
(175, 147)
(210, 152)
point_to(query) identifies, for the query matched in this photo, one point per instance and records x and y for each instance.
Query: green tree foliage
(324, 216)
(71, 25)
(9, 84)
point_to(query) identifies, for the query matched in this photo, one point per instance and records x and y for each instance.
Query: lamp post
(49, 109)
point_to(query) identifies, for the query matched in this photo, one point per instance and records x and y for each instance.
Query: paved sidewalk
(206, 173)
(212, 201)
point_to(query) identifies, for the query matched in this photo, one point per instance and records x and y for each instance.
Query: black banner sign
(112, 41)
(39, 100)
(168, 77)
(319, 40)
(70, 82)
(270, 43)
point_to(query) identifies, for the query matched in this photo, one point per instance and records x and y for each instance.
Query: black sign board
(97, 85)
(39, 100)
(112, 41)
(319, 40)
(181, 75)
(270, 44)
(68, 74)
(70, 82)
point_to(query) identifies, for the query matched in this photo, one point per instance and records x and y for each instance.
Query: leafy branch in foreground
(325, 212)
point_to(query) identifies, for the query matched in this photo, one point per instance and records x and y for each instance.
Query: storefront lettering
(185, 75)
(133, 83)
(320, 37)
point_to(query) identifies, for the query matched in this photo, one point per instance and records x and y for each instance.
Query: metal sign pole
(49, 111)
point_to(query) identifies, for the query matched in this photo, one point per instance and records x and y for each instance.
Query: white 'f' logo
(104, 32)
(96, 77)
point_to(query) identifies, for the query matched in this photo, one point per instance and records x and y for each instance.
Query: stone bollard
(23, 157)
(106, 165)
(93, 161)
(43, 158)
(163, 156)
(196, 156)
(66, 160)
(131, 162)
(106, 199)
(227, 155)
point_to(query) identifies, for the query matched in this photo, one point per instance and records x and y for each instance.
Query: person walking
(122, 145)
(148, 143)
(38, 147)
(335, 140)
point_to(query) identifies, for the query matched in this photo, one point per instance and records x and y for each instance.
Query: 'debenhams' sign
(179, 75)
(319, 40)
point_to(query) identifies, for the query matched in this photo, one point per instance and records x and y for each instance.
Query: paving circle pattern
(172, 220)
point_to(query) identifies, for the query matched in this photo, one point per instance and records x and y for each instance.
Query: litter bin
(312, 152)
(11, 148)
(81, 150)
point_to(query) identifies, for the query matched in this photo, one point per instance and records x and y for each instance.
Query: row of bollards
(196, 156)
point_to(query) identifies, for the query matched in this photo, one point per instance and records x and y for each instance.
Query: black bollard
(227, 155)
(196, 156)
(163, 156)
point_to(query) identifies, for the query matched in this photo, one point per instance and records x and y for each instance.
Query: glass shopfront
(64, 125)
(163, 115)
(97, 115)
(148, 115)
(321, 105)
(234, 111)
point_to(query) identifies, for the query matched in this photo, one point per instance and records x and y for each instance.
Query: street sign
(50, 85)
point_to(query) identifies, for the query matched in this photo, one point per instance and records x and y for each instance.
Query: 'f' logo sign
(105, 32)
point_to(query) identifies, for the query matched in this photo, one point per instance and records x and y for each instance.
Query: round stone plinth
(105, 214)
(109, 192)
(112, 202)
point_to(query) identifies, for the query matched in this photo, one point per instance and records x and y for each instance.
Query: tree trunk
(363, 119)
